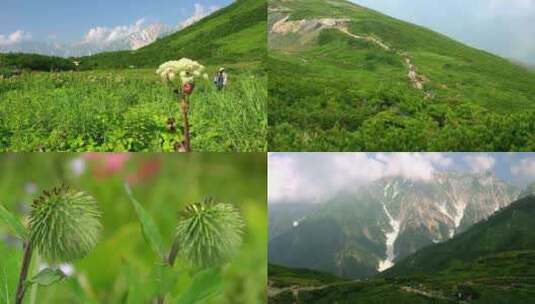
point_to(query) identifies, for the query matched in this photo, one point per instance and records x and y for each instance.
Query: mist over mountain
(361, 232)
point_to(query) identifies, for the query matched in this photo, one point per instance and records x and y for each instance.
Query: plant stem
(185, 107)
(33, 290)
(21, 288)
(172, 254)
(170, 261)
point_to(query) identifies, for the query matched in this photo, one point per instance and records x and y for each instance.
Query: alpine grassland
(133, 228)
(346, 78)
(115, 101)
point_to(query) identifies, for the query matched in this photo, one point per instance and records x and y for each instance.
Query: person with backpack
(220, 79)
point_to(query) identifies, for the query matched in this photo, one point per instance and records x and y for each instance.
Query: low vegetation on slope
(234, 34)
(330, 91)
(118, 103)
(12, 64)
(127, 111)
(506, 277)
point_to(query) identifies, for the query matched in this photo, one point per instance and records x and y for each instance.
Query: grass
(233, 34)
(282, 276)
(127, 110)
(120, 268)
(115, 102)
(506, 277)
(337, 93)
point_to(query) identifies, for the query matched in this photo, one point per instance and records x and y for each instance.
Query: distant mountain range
(490, 262)
(145, 35)
(363, 232)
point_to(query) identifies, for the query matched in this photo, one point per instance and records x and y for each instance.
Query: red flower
(187, 88)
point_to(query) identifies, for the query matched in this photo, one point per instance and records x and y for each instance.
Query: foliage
(234, 34)
(123, 268)
(337, 93)
(34, 62)
(127, 111)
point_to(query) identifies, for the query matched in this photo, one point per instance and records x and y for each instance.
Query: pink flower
(107, 164)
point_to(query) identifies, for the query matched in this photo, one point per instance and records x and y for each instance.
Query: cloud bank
(480, 162)
(101, 35)
(316, 176)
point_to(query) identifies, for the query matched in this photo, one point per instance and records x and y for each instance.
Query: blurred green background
(120, 268)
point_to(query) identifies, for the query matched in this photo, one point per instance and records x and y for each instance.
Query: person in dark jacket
(221, 79)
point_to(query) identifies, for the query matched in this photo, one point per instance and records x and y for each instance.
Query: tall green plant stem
(184, 106)
(26, 260)
(170, 260)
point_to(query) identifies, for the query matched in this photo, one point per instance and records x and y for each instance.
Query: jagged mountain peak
(392, 218)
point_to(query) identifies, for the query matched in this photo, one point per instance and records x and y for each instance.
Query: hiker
(220, 79)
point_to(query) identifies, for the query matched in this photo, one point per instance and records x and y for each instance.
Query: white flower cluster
(180, 72)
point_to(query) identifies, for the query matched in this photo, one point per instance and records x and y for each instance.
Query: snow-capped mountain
(148, 35)
(436, 210)
(366, 230)
(142, 36)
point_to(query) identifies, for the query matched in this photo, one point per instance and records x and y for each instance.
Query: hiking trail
(286, 26)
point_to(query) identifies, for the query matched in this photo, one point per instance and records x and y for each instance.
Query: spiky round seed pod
(208, 233)
(64, 224)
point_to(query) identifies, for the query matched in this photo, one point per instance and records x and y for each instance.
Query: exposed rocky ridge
(368, 230)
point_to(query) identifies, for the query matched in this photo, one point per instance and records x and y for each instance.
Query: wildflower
(64, 224)
(180, 72)
(208, 233)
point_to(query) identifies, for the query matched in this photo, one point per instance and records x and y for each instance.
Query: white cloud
(199, 12)
(15, 37)
(480, 162)
(104, 35)
(317, 176)
(524, 168)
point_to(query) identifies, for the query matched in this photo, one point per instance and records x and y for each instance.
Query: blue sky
(70, 21)
(315, 176)
(503, 27)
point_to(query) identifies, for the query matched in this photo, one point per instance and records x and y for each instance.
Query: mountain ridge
(371, 228)
(347, 78)
(491, 262)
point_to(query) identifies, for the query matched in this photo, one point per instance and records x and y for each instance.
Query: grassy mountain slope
(235, 34)
(509, 229)
(507, 277)
(350, 90)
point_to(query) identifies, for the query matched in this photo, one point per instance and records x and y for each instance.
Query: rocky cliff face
(425, 212)
(388, 220)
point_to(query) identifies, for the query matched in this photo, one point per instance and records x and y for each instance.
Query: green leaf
(47, 277)
(166, 278)
(205, 284)
(150, 231)
(13, 222)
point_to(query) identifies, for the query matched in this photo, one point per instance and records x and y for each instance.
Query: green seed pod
(209, 233)
(64, 224)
